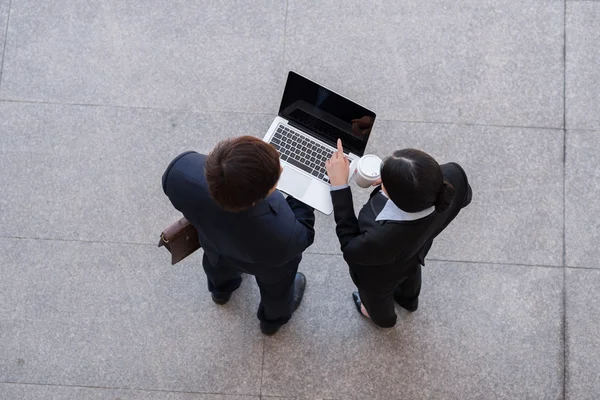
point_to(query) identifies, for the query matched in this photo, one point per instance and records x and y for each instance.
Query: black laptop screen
(325, 114)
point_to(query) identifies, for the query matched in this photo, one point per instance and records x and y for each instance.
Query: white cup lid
(370, 165)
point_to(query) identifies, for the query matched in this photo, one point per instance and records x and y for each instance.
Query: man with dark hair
(244, 224)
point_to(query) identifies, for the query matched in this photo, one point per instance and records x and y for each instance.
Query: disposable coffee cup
(368, 170)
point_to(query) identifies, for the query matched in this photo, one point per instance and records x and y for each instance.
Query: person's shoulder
(185, 156)
(186, 163)
(189, 156)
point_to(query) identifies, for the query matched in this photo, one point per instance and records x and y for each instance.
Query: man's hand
(338, 167)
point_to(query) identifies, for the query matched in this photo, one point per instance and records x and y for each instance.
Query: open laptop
(311, 119)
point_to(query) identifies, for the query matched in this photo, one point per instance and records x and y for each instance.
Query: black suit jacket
(380, 253)
(271, 233)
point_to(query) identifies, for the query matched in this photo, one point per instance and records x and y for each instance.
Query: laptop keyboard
(301, 152)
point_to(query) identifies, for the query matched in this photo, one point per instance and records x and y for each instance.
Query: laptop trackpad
(294, 183)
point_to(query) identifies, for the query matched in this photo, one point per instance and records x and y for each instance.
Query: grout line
(564, 233)
(585, 129)
(289, 398)
(207, 112)
(174, 110)
(262, 366)
(564, 332)
(74, 240)
(461, 261)
(496, 263)
(306, 252)
(565, 66)
(472, 124)
(122, 388)
(584, 268)
(5, 41)
(564, 291)
(564, 158)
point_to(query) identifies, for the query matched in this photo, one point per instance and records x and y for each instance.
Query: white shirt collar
(391, 212)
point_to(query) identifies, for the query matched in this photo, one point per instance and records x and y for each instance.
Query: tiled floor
(96, 97)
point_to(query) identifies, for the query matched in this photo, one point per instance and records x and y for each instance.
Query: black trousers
(276, 285)
(380, 303)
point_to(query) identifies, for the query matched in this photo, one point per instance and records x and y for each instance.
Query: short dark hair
(241, 171)
(414, 181)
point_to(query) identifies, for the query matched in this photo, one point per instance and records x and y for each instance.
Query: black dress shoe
(358, 303)
(268, 329)
(221, 298)
(299, 286)
(411, 305)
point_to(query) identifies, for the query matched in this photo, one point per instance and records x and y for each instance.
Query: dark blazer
(379, 253)
(271, 233)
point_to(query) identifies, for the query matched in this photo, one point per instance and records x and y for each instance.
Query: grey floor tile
(485, 62)
(582, 203)
(583, 342)
(94, 173)
(296, 398)
(4, 6)
(310, 397)
(42, 392)
(583, 57)
(201, 55)
(290, 398)
(276, 398)
(479, 330)
(90, 314)
(516, 174)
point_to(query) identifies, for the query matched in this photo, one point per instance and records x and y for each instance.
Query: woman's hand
(338, 167)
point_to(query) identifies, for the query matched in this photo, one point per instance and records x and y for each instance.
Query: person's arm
(304, 232)
(343, 212)
(363, 248)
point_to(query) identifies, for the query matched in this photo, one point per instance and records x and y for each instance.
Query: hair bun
(444, 197)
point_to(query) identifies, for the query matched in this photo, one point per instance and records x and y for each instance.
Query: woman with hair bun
(386, 246)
